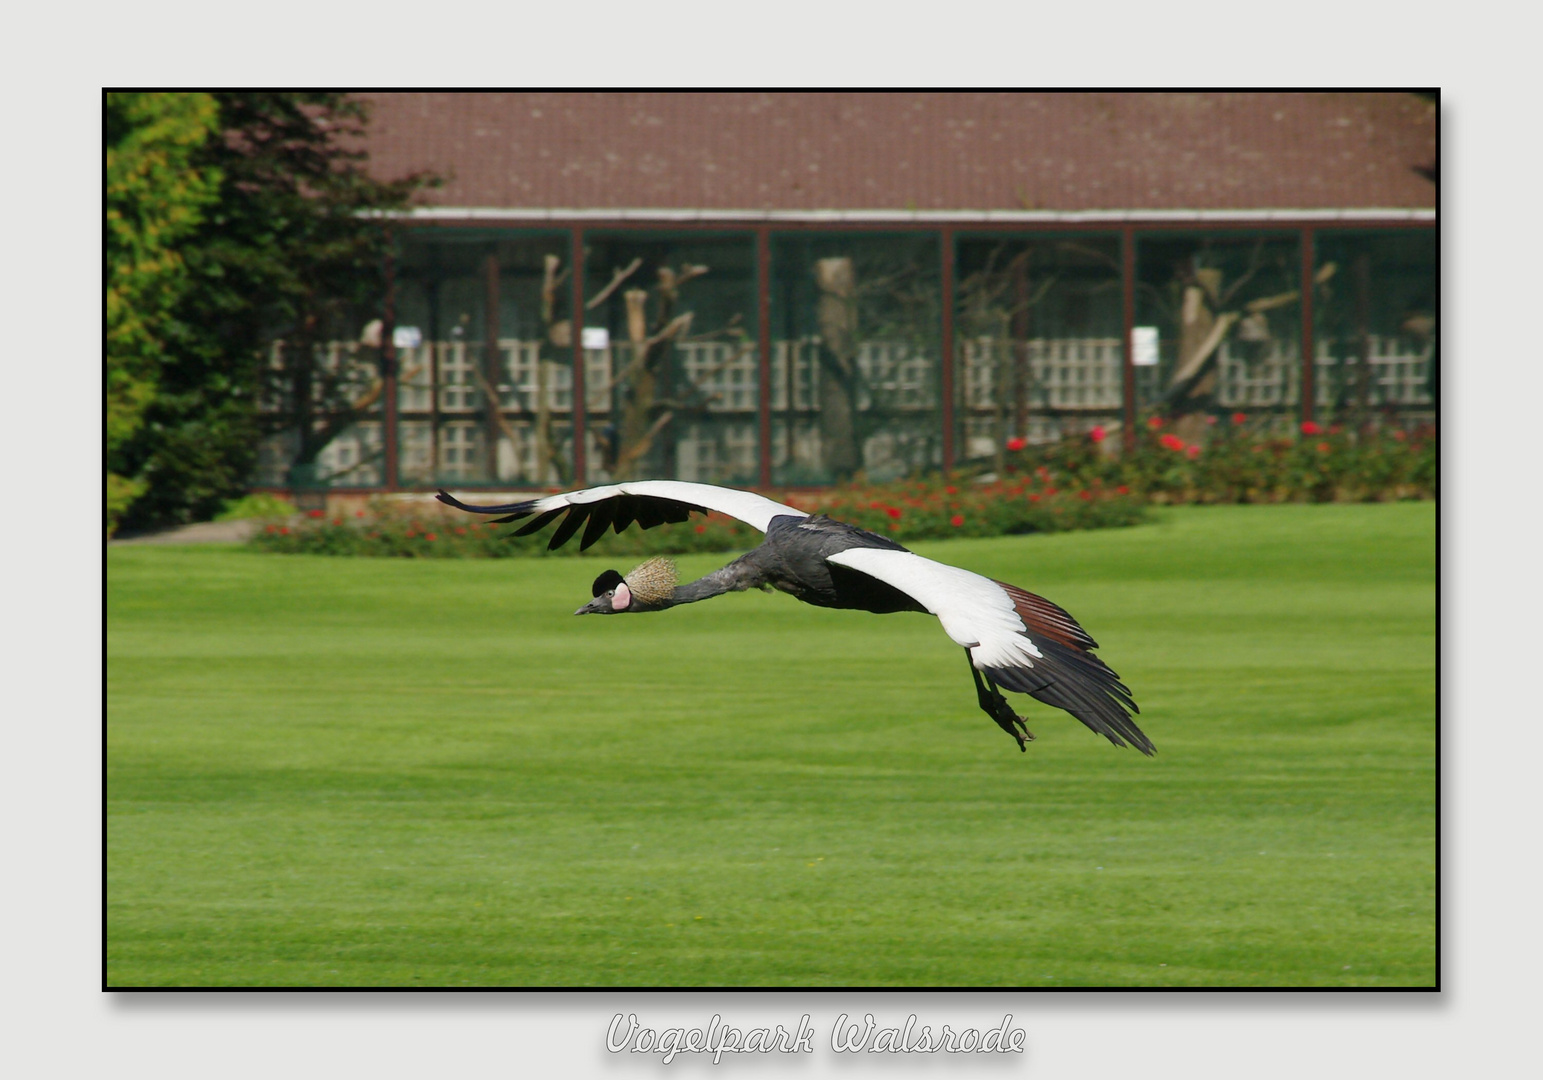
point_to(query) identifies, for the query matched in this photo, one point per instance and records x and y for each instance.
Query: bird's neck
(732, 578)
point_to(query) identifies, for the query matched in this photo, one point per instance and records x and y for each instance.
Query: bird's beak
(591, 608)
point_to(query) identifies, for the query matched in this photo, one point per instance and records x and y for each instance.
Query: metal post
(434, 338)
(763, 317)
(1128, 366)
(1308, 390)
(947, 242)
(1016, 399)
(490, 364)
(388, 364)
(580, 404)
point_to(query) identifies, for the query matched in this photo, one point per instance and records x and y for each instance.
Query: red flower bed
(1245, 462)
(1073, 484)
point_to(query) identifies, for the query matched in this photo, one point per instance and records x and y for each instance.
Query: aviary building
(793, 289)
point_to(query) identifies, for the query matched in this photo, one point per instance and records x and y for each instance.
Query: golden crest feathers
(652, 581)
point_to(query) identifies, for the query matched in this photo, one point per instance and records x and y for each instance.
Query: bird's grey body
(1011, 637)
(795, 559)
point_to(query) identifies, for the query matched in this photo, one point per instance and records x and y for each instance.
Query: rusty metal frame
(492, 407)
(1128, 309)
(947, 255)
(580, 417)
(763, 347)
(1309, 390)
(388, 367)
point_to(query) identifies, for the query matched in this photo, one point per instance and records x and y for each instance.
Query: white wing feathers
(645, 502)
(974, 610)
(754, 510)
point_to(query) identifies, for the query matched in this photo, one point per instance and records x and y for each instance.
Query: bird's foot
(999, 710)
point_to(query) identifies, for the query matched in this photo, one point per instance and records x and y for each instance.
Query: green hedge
(1236, 462)
(911, 511)
(1073, 484)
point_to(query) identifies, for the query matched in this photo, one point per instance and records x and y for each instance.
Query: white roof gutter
(878, 217)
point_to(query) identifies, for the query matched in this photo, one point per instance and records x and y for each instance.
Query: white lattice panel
(415, 452)
(792, 374)
(1246, 379)
(415, 378)
(525, 373)
(460, 450)
(895, 375)
(724, 372)
(354, 458)
(458, 364)
(982, 435)
(599, 365)
(1063, 373)
(717, 453)
(1399, 375)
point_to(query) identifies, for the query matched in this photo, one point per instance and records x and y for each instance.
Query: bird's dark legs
(995, 706)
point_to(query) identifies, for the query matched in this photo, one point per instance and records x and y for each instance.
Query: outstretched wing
(1024, 642)
(647, 502)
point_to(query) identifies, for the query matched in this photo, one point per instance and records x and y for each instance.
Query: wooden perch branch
(490, 395)
(641, 350)
(728, 329)
(617, 277)
(1270, 303)
(1207, 346)
(1255, 261)
(688, 272)
(369, 397)
(738, 355)
(674, 328)
(550, 280)
(637, 317)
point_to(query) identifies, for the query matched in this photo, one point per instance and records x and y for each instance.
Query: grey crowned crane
(1012, 638)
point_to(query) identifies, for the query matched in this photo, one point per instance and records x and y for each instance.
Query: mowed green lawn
(335, 772)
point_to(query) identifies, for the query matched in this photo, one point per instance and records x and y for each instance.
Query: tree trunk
(1200, 335)
(640, 391)
(836, 315)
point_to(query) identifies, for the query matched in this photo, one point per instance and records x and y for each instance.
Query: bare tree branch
(617, 277)
(689, 271)
(1090, 252)
(1255, 261)
(1219, 330)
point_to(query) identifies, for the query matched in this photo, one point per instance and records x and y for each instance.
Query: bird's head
(647, 587)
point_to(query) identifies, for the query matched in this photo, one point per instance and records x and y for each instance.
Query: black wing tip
(1092, 695)
(1122, 733)
(516, 510)
(1134, 737)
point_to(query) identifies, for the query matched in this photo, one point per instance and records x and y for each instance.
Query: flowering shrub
(1237, 465)
(905, 511)
(930, 510)
(431, 532)
(1072, 484)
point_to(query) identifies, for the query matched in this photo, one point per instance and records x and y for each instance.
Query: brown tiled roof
(912, 151)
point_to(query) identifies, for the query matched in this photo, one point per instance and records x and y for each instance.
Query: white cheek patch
(622, 597)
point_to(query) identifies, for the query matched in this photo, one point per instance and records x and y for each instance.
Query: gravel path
(205, 532)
